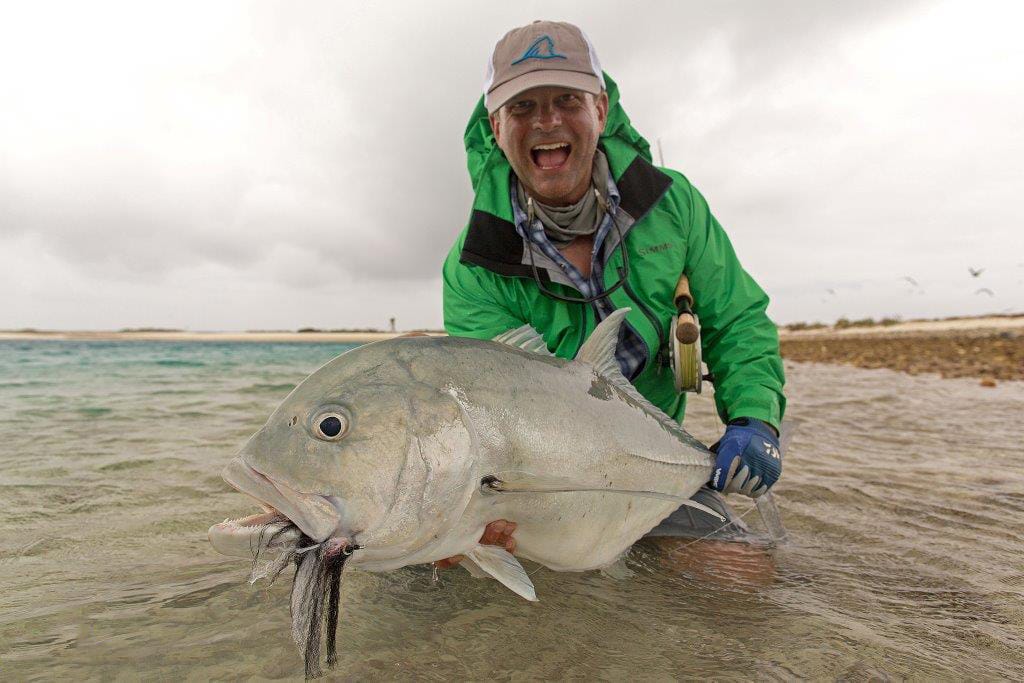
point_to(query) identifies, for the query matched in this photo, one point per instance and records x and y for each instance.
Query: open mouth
(551, 156)
(260, 534)
(288, 515)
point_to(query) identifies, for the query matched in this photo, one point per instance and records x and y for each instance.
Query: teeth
(553, 145)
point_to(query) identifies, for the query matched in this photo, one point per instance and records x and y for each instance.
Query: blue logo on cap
(542, 48)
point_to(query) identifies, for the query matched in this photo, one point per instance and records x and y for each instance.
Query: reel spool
(685, 359)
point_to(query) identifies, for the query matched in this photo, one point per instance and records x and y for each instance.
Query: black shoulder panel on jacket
(641, 186)
(494, 244)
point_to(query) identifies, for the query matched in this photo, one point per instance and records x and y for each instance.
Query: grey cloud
(305, 148)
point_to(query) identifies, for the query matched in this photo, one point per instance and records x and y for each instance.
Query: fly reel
(684, 347)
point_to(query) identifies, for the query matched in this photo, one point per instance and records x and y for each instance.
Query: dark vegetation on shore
(842, 324)
(372, 330)
(363, 330)
(150, 329)
(987, 355)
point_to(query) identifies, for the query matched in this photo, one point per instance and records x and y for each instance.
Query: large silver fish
(405, 449)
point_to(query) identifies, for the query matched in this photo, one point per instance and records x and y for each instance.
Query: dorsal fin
(599, 352)
(599, 349)
(525, 338)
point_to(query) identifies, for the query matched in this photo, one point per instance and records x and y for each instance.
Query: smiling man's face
(549, 135)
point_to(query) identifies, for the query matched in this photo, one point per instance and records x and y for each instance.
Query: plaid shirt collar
(534, 235)
(631, 352)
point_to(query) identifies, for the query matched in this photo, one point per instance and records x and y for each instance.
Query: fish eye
(330, 426)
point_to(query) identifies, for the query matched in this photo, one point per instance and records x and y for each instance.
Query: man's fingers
(449, 562)
(748, 487)
(491, 532)
(497, 532)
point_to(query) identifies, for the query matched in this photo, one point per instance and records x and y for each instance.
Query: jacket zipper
(661, 355)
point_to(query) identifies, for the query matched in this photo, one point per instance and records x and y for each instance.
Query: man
(571, 221)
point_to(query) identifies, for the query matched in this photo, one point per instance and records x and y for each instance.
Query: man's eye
(568, 99)
(521, 106)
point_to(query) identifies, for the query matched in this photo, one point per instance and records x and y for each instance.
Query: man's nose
(547, 118)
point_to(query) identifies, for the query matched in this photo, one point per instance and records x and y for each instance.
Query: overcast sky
(237, 166)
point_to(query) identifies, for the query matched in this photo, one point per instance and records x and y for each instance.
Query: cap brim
(576, 80)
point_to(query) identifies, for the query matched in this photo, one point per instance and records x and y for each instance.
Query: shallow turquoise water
(904, 497)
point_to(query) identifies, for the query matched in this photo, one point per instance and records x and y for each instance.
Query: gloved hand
(749, 460)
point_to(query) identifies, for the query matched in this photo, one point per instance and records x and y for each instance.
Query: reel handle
(687, 331)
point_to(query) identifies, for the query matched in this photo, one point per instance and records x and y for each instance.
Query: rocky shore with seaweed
(990, 349)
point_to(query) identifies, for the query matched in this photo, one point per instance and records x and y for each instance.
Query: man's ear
(495, 125)
(601, 101)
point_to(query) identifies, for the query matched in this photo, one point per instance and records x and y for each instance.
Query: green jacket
(489, 286)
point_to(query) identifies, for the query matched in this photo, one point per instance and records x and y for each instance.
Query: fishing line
(711, 533)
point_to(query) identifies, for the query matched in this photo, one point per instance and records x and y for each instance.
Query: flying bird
(830, 291)
(975, 273)
(985, 290)
(911, 280)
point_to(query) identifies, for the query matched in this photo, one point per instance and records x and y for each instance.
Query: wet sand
(987, 349)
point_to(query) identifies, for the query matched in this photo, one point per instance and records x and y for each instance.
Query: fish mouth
(255, 535)
(288, 515)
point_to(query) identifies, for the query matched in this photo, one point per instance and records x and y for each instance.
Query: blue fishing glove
(749, 460)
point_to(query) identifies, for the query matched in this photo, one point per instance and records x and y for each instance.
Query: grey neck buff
(563, 224)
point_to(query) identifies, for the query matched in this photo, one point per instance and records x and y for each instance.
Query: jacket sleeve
(472, 304)
(740, 343)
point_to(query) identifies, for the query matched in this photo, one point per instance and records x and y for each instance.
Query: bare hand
(498, 532)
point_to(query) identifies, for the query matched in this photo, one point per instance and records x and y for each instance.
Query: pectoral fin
(502, 566)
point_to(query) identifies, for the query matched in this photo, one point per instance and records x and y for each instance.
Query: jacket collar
(492, 242)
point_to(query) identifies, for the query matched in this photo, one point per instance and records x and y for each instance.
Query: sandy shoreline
(186, 336)
(986, 324)
(990, 348)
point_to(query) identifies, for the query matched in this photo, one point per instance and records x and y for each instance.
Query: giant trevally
(400, 452)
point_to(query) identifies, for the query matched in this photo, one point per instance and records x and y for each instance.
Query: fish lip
(249, 536)
(318, 516)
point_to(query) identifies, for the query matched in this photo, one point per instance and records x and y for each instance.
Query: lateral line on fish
(491, 484)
